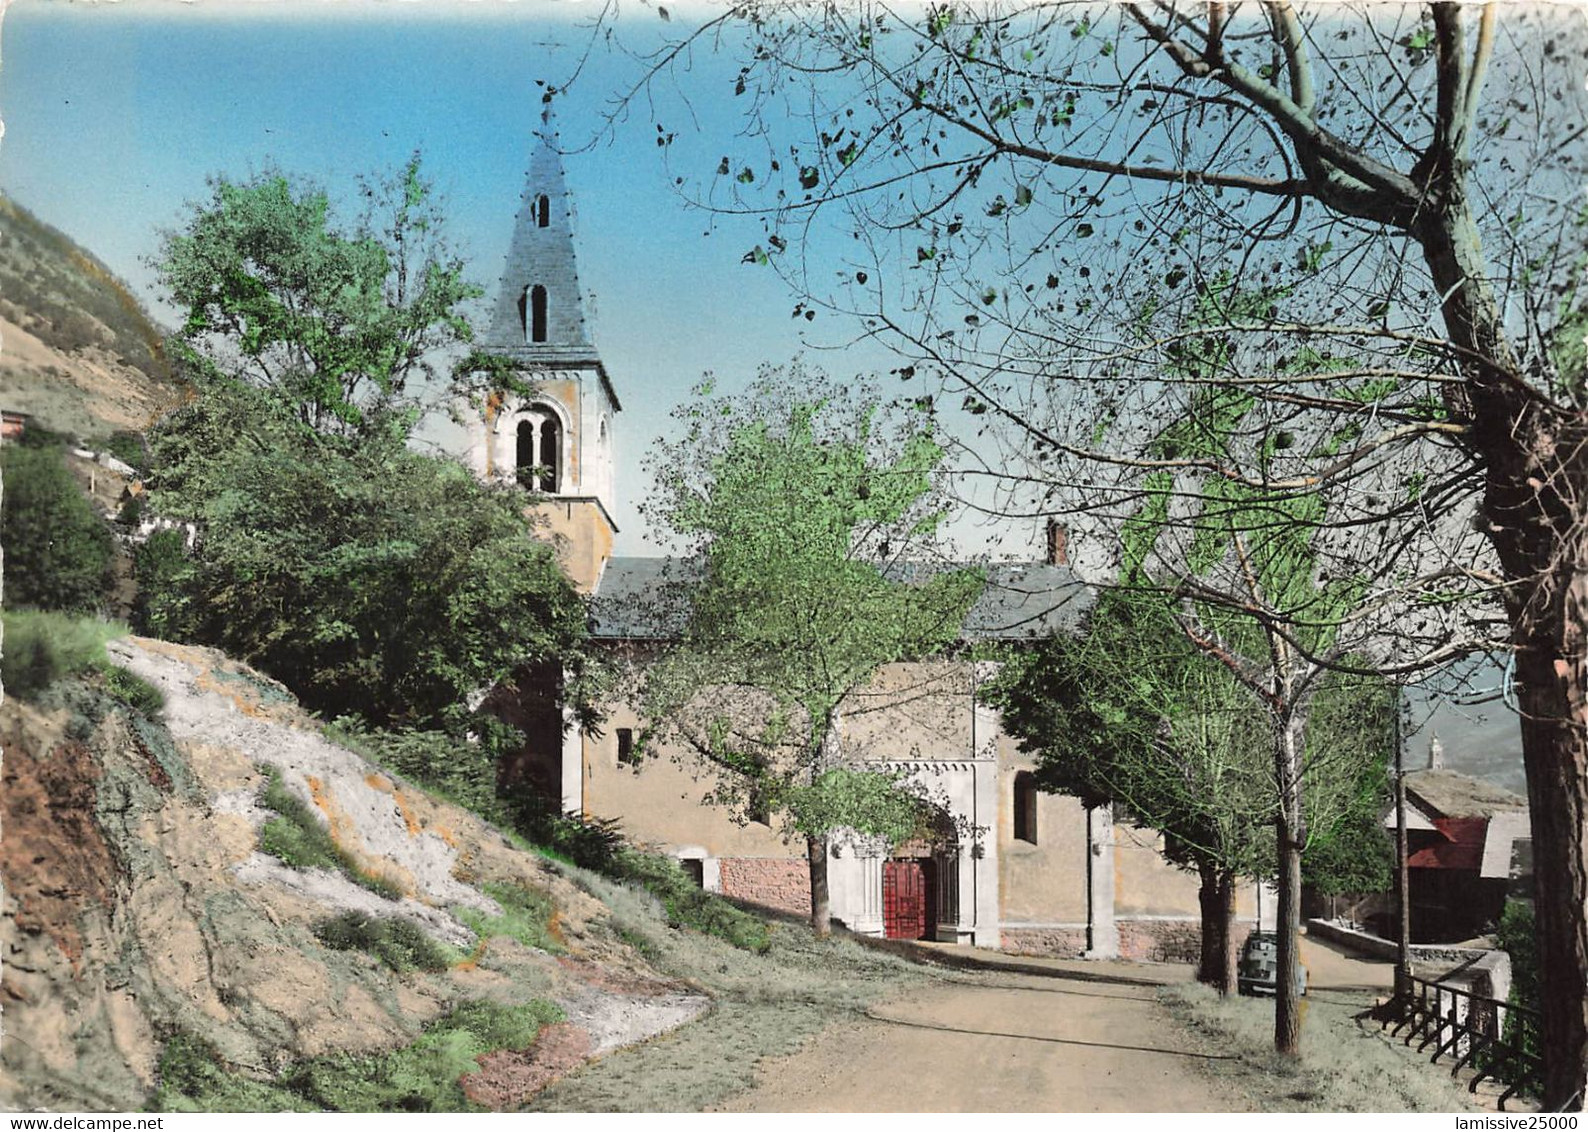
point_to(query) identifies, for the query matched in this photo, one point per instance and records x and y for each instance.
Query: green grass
(419, 1077)
(194, 1078)
(297, 839)
(400, 944)
(526, 916)
(687, 906)
(465, 774)
(765, 1004)
(45, 648)
(1343, 1066)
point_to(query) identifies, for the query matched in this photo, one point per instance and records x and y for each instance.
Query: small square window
(626, 752)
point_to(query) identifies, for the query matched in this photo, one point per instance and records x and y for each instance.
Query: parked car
(1258, 969)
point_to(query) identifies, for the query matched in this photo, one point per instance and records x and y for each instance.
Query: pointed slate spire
(540, 314)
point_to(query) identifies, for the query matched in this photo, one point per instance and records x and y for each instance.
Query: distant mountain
(77, 349)
(1482, 740)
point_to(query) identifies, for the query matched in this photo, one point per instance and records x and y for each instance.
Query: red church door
(906, 899)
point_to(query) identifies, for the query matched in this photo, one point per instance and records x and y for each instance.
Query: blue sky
(115, 115)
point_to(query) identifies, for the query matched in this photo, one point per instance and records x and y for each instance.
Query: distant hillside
(77, 350)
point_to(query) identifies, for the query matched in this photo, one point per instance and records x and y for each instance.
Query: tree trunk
(1287, 1003)
(1216, 897)
(1554, 690)
(1208, 905)
(1227, 964)
(1552, 680)
(1535, 504)
(821, 901)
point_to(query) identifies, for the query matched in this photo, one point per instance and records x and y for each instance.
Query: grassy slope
(1343, 1067)
(765, 1006)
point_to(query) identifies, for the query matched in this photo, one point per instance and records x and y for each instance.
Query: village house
(1031, 872)
(1468, 849)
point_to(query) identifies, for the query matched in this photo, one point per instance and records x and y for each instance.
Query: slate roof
(1450, 794)
(543, 256)
(643, 599)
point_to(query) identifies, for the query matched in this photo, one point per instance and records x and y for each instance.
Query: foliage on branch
(811, 519)
(368, 578)
(344, 323)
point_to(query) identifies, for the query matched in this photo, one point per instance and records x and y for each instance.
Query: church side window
(539, 452)
(542, 211)
(1026, 807)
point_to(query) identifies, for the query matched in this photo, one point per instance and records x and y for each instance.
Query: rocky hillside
(210, 905)
(77, 350)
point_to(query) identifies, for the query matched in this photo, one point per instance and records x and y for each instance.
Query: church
(1031, 872)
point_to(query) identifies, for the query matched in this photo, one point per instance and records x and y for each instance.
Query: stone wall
(1053, 943)
(1169, 941)
(783, 883)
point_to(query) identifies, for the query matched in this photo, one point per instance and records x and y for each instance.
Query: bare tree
(1035, 199)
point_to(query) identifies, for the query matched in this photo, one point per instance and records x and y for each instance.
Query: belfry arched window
(535, 322)
(542, 211)
(539, 453)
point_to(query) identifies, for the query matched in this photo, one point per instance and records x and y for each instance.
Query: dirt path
(1022, 1036)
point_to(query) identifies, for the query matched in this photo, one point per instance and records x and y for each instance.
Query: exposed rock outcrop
(138, 905)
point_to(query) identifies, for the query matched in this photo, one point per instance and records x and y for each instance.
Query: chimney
(1058, 543)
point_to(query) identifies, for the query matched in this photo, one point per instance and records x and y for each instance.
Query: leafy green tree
(368, 578)
(339, 321)
(58, 551)
(1352, 733)
(1128, 712)
(803, 509)
(1131, 712)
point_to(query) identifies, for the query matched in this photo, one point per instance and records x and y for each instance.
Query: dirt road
(1026, 1036)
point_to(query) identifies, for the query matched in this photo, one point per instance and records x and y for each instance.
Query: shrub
(59, 553)
(128, 447)
(1517, 936)
(297, 839)
(368, 578)
(423, 1076)
(43, 648)
(400, 944)
(134, 692)
(193, 1077)
(158, 567)
(526, 916)
(689, 907)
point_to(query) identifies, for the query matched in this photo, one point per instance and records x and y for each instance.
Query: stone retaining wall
(1144, 941)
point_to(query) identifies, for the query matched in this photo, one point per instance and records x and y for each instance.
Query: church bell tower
(558, 441)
